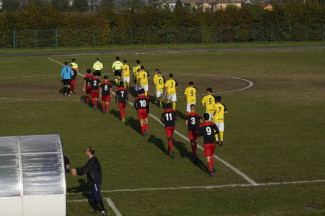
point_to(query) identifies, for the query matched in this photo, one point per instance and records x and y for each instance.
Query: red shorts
(169, 131)
(193, 135)
(88, 89)
(142, 114)
(121, 105)
(106, 98)
(94, 93)
(73, 82)
(209, 149)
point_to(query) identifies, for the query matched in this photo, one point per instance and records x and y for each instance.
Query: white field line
(15, 77)
(200, 147)
(37, 99)
(113, 207)
(199, 187)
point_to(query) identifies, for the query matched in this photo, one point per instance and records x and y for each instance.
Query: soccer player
(190, 96)
(170, 90)
(73, 83)
(94, 178)
(219, 112)
(122, 99)
(94, 84)
(86, 87)
(168, 117)
(193, 120)
(155, 76)
(66, 74)
(117, 68)
(135, 71)
(208, 102)
(159, 83)
(74, 64)
(141, 104)
(126, 74)
(105, 91)
(143, 80)
(208, 130)
(98, 67)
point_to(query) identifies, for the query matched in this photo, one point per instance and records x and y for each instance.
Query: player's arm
(200, 131)
(162, 118)
(216, 131)
(203, 102)
(94, 66)
(116, 97)
(135, 104)
(186, 122)
(225, 111)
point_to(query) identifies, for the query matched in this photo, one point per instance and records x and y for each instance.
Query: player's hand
(73, 172)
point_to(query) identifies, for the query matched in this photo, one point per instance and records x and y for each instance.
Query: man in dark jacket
(94, 178)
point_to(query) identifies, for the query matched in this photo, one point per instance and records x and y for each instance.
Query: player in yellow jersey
(98, 66)
(135, 71)
(74, 64)
(159, 83)
(190, 96)
(219, 112)
(126, 74)
(143, 80)
(208, 102)
(170, 90)
(154, 81)
(117, 68)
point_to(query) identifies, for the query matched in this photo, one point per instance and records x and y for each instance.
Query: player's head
(125, 61)
(73, 60)
(191, 83)
(141, 91)
(117, 58)
(218, 98)
(169, 106)
(157, 70)
(137, 61)
(71, 65)
(94, 73)
(66, 63)
(88, 71)
(121, 84)
(159, 73)
(90, 151)
(97, 59)
(105, 77)
(192, 107)
(142, 67)
(209, 90)
(206, 116)
(171, 75)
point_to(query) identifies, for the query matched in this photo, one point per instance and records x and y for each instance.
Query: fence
(129, 36)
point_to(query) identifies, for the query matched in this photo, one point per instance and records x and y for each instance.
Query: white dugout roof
(31, 172)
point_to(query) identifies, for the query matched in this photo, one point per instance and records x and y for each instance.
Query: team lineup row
(211, 127)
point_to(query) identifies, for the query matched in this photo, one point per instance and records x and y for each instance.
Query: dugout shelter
(32, 176)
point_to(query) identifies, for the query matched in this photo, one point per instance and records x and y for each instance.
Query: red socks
(142, 129)
(170, 145)
(146, 126)
(103, 105)
(122, 111)
(107, 106)
(87, 99)
(194, 148)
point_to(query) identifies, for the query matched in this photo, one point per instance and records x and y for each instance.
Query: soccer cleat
(144, 134)
(65, 94)
(94, 212)
(211, 174)
(195, 159)
(220, 143)
(172, 154)
(123, 120)
(94, 107)
(103, 213)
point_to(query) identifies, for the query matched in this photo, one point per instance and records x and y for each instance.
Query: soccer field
(272, 161)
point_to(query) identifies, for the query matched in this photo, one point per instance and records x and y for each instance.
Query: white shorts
(137, 87)
(210, 116)
(188, 107)
(159, 94)
(220, 126)
(145, 87)
(126, 79)
(172, 98)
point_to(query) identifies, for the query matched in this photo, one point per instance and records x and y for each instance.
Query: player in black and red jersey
(208, 130)
(168, 117)
(193, 120)
(141, 104)
(94, 85)
(122, 99)
(86, 87)
(105, 92)
(73, 82)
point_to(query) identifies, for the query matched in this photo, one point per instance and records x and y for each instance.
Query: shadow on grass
(159, 143)
(115, 113)
(180, 115)
(85, 190)
(133, 123)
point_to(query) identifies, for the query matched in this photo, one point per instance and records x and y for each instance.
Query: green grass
(167, 46)
(274, 132)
